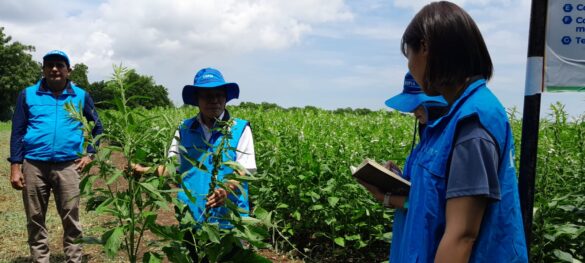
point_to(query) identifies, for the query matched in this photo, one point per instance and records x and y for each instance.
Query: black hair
(456, 49)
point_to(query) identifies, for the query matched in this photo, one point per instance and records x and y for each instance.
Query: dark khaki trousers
(41, 178)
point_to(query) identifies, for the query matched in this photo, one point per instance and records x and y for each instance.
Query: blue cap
(57, 53)
(209, 78)
(412, 96)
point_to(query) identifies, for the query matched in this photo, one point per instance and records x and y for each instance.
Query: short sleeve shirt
(474, 163)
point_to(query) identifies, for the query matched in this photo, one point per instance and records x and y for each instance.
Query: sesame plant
(210, 241)
(131, 201)
(303, 159)
(558, 227)
(306, 155)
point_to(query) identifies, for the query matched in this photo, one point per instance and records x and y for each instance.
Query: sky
(325, 53)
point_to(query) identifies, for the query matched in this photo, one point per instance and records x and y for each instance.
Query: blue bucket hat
(209, 78)
(57, 53)
(412, 96)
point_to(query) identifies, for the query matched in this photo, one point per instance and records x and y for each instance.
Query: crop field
(320, 213)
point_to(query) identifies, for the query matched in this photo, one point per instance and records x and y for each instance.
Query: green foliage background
(150, 94)
(303, 157)
(17, 71)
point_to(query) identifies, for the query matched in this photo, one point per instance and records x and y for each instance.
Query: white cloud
(279, 50)
(99, 52)
(136, 31)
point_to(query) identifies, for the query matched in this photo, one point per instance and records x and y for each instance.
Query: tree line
(18, 70)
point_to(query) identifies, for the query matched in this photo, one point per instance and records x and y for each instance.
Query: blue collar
(43, 88)
(474, 86)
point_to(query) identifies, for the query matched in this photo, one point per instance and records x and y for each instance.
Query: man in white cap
(46, 154)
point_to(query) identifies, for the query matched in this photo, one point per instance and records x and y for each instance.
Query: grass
(13, 221)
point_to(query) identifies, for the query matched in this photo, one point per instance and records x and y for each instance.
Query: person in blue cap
(46, 153)
(426, 109)
(198, 137)
(463, 200)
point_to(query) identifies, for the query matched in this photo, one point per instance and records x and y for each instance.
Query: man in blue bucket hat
(198, 137)
(425, 109)
(195, 141)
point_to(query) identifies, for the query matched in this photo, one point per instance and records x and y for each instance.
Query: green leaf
(260, 212)
(314, 195)
(256, 234)
(296, 215)
(176, 255)
(562, 255)
(151, 189)
(339, 241)
(282, 206)
(103, 204)
(264, 216)
(248, 220)
(149, 217)
(151, 257)
(112, 241)
(116, 175)
(86, 184)
(316, 207)
(97, 138)
(212, 232)
(332, 200)
(330, 221)
(353, 237)
(167, 232)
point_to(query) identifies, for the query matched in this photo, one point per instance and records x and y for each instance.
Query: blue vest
(400, 213)
(51, 134)
(501, 236)
(197, 179)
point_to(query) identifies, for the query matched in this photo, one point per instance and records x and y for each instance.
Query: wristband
(405, 205)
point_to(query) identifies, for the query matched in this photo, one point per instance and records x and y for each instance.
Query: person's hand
(390, 165)
(396, 201)
(16, 177)
(374, 190)
(233, 185)
(137, 168)
(82, 162)
(217, 198)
